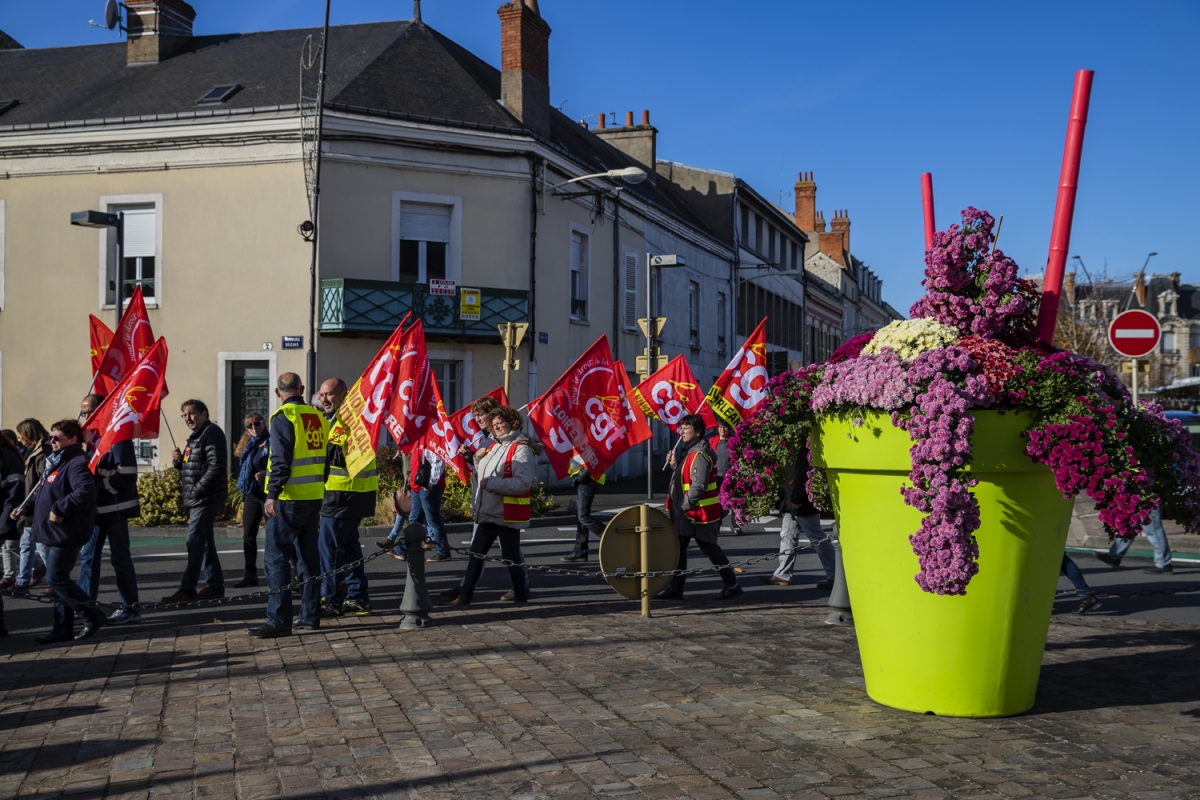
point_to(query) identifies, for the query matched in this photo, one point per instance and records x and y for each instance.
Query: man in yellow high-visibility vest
(295, 489)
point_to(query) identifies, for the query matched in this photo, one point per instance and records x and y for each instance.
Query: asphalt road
(160, 560)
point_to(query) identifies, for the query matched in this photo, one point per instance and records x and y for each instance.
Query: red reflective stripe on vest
(708, 509)
(516, 507)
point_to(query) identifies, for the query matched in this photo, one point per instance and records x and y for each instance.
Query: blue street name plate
(543, 337)
(293, 343)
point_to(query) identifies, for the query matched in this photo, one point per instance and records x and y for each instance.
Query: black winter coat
(205, 467)
(35, 462)
(70, 492)
(12, 491)
(117, 476)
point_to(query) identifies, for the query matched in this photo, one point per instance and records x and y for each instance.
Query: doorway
(249, 393)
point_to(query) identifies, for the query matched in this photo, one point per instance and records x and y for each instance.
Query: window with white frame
(1168, 342)
(722, 321)
(579, 276)
(424, 241)
(448, 375)
(631, 290)
(693, 314)
(140, 249)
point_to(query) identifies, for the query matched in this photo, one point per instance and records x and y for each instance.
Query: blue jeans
(1153, 531)
(585, 523)
(427, 505)
(510, 548)
(1071, 570)
(29, 556)
(68, 596)
(339, 546)
(202, 548)
(117, 534)
(293, 533)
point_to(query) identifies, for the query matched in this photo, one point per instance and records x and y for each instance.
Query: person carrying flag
(694, 507)
(347, 500)
(585, 494)
(295, 491)
(116, 503)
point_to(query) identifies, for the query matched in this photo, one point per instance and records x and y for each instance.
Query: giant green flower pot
(976, 655)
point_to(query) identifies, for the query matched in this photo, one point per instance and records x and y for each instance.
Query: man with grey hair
(295, 489)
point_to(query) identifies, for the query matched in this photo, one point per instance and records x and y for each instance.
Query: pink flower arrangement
(1129, 459)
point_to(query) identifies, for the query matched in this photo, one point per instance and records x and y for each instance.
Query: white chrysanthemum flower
(908, 338)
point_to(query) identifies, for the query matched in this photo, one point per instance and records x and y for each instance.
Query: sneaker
(18, 591)
(356, 608)
(124, 616)
(179, 597)
(438, 557)
(430, 545)
(331, 611)
(730, 592)
(1159, 570)
(1090, 603)
(574, 557)
(1107, 559)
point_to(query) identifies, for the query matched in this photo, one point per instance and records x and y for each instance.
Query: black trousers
(253, 513)
(715, 554)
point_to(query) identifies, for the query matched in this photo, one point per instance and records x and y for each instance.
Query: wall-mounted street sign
(293, 343)
(1134, 334)
(440, 287)
(468, 304)
(543, 337)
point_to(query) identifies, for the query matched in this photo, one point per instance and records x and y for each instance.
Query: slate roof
(402, 69)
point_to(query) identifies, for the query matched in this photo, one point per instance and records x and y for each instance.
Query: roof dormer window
(219, 94)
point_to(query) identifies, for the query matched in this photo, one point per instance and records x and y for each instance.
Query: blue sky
(867, 95)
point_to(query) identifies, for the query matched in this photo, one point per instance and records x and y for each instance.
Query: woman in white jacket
(504, 482)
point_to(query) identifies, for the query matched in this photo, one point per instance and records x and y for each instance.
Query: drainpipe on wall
(535, 164)
(616, 340)
(733, 271)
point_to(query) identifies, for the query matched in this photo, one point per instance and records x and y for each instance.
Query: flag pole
(164, 419)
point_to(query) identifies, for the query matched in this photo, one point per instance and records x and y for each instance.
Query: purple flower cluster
(968, 285)
(879, 382)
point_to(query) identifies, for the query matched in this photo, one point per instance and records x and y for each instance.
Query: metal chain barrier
(1135, 592)
(583, 573)
(207, 601)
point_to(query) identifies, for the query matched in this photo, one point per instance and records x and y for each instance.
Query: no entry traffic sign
(1134, 334)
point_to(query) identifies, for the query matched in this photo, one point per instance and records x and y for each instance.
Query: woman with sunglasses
(252, 451)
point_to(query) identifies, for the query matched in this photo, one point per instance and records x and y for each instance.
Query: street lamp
(101, 219)
(630, 175)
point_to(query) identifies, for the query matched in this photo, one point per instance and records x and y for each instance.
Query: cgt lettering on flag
(741, 389)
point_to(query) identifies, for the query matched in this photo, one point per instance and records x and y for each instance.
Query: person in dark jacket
(35, 438)
(347, 500)
(801, 516)
(203, 465)
(724, 461)
(694, 507)
(63, 517)
(252, 452)
(12, 492)
(116, 503)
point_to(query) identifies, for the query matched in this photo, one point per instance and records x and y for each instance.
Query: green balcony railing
(352, 307)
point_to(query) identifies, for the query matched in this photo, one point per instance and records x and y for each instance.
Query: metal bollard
(839, 598)
(416, 603)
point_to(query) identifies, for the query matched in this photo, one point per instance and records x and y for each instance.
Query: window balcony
(352, 307)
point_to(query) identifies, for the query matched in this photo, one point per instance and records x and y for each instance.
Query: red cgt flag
(132, 409)
(581, 414)
(636, 424)
(672, 393)
(464, 421)
(443, 439)
(741, 388)
(413, 405)
(101, 337)
(133, 339)
(367, 403)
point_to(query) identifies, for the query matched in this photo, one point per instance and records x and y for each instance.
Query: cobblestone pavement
(581, 699)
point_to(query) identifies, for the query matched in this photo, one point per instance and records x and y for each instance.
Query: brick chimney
(157, 28)
(1069, 287)
(806, 203)
(841, 224)
(525, 64)
(1175, 281)
(1139, 288)
(831, 244)
(818, 222)
(639, 142)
